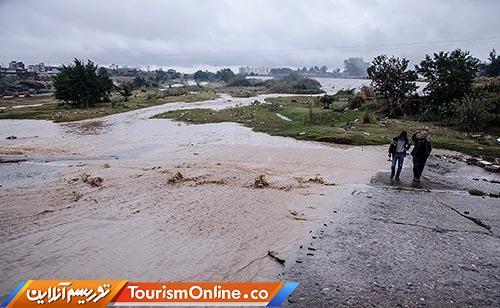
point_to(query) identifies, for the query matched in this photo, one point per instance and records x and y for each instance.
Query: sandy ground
(212, 224)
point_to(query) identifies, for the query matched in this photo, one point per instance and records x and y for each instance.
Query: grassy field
(302, 117)
(51, 110)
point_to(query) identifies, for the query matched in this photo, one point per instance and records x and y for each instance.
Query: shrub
(273, 106)
(367, 92)
(412, 105)
(345, 92)
(239, 82)
(356, 101)
(326, 100)
(177, 91)
(294, 84)
(367, 117)
(471, 113)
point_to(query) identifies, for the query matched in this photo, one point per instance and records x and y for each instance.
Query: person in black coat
(421, 151)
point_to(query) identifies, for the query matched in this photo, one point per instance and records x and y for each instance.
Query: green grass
(309, 121)
(52, 111)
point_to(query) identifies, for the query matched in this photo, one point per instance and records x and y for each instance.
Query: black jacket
(422, 147)
(394, 143)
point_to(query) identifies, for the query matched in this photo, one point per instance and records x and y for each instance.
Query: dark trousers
(418, 166)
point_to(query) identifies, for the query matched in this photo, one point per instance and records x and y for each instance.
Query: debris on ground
(217, 182)
(178, 177)
(320, 180)
(286, 187)
(106, 165)
(476, 192)
(296, 215)
(272, 254)
(261, 182)
(488, 164)
(11, 137)
(317, 179)
(94, 181)
(76, 196)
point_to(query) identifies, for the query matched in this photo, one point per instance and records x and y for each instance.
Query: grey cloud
(132, 32)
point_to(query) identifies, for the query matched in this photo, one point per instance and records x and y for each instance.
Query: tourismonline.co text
(195, 292)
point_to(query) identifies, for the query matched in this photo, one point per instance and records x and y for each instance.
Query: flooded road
(126, 196)
(130, 197)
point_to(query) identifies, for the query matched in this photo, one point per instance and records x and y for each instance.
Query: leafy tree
(104, 81)
(139, 82)
(203, 76)
(493, 68)
(392, 80)
(79, 84)
(450, 76)
(6, 81)
(161, 75)
(126, 90)
(225, 74)
(294, 83)
(281, 71)
(356, 67)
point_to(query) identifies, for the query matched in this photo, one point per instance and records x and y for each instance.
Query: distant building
(14, 65)
(37, 68)
(248, 70)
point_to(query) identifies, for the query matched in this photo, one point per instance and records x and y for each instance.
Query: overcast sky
(206, 33)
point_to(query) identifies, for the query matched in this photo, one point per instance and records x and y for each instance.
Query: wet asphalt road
(390, 245)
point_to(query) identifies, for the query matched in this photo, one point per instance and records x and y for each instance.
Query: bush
(412, 105)
(177, 91)
(315, 118)
(367, 117)
(356, 101)
(345, 92)
(326, 100)
(367, 92)
(273, 106)
(294, 84)
(240, 82)
(471, 113)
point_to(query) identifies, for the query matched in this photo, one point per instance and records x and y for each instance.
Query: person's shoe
(397, 179)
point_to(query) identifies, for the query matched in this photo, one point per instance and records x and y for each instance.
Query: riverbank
(304, 118)
(47, 108)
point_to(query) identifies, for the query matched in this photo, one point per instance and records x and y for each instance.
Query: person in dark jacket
(420, 153)
(397, 150)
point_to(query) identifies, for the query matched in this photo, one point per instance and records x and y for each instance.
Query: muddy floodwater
(139, 224)
(130, 197)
